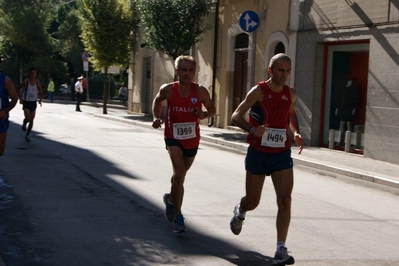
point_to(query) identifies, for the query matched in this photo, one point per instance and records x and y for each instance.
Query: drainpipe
(214, 64)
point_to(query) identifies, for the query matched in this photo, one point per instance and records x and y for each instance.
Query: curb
(312, 164)
(234, 146)
(346, 172)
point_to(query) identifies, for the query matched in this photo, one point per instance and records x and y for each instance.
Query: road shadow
(54, 211)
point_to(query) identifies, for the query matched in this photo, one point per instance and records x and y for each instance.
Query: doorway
(146, 96)
(345, 96)
(240, 78)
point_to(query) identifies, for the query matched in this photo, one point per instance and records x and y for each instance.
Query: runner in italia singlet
(274, 111)
(181, 123)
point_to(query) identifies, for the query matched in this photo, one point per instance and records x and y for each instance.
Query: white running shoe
(236, 222)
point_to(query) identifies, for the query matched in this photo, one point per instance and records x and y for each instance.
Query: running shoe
(282, 258)
(27, 138)
(178, 226)
(169, 212)
(236, 222)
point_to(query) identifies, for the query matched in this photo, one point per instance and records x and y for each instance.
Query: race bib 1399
(184, 130)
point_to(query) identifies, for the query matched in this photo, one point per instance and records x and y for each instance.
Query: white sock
(241, 215)
(279, 245)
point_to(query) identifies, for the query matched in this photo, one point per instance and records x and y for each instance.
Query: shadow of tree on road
(55, 211)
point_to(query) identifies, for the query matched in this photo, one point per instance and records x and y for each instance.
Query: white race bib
(184, 130)
(274, 137)
(31, 96)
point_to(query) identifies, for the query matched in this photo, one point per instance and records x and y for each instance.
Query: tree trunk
(105, 90)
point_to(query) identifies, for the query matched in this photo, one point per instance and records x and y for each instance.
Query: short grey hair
(182, 58)
(279, 56)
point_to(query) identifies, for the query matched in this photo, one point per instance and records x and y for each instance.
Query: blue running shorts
(4, 124)
(262, 163)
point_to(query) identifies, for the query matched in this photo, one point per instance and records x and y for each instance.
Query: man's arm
(12, 93)
(163, 93)
(254, 96)
(22, 85)
(294, 126)
(207, 102)
(41, 94)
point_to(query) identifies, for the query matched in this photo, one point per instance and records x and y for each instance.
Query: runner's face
(186, 72)
(32, 74)
(280, 72)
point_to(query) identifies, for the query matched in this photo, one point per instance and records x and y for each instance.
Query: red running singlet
(274, 111)
(181, 123)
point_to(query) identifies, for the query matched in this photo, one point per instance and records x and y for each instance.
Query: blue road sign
(85, 56)
(249, 21)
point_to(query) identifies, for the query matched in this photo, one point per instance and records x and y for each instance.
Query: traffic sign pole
(85, 58)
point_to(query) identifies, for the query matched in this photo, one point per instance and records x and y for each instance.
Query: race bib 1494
(274, 137)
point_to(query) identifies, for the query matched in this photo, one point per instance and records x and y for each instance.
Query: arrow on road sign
(249, 22)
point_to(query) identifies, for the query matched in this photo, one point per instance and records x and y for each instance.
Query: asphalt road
(88, 191)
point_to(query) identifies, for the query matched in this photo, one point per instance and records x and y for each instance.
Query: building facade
(345, 57)
(231, 58)
(347, 76)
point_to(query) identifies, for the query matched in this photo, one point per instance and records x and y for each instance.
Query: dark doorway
(240, 77)
(345, 97)
(146, 91)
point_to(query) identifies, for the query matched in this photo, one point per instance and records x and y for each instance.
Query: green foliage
(173, 26)
(69, 31)
(25, 37)
(96, 87)
(107, 27)
(25, 24)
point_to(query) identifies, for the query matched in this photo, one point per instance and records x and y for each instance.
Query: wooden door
(240, 78)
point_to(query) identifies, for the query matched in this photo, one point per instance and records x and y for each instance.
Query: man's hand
(259, 131)
(199, 113)
(157, 123)
(299, 142)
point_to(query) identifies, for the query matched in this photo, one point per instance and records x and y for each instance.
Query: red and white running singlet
(181, 123)
(274, 111)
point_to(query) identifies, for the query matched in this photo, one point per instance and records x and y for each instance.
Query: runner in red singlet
(182, 133)
(271, 112)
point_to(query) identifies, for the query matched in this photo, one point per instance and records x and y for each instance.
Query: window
(242, 41)
(279, 48)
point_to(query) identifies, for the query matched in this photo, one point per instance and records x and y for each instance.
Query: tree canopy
(107, 27)
(106, 31)
(24, 29)
(173, 26)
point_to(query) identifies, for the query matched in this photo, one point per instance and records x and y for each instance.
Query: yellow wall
(274, 20)
(274, 17)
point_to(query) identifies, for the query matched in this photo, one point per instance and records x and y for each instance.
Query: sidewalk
(339, 162)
